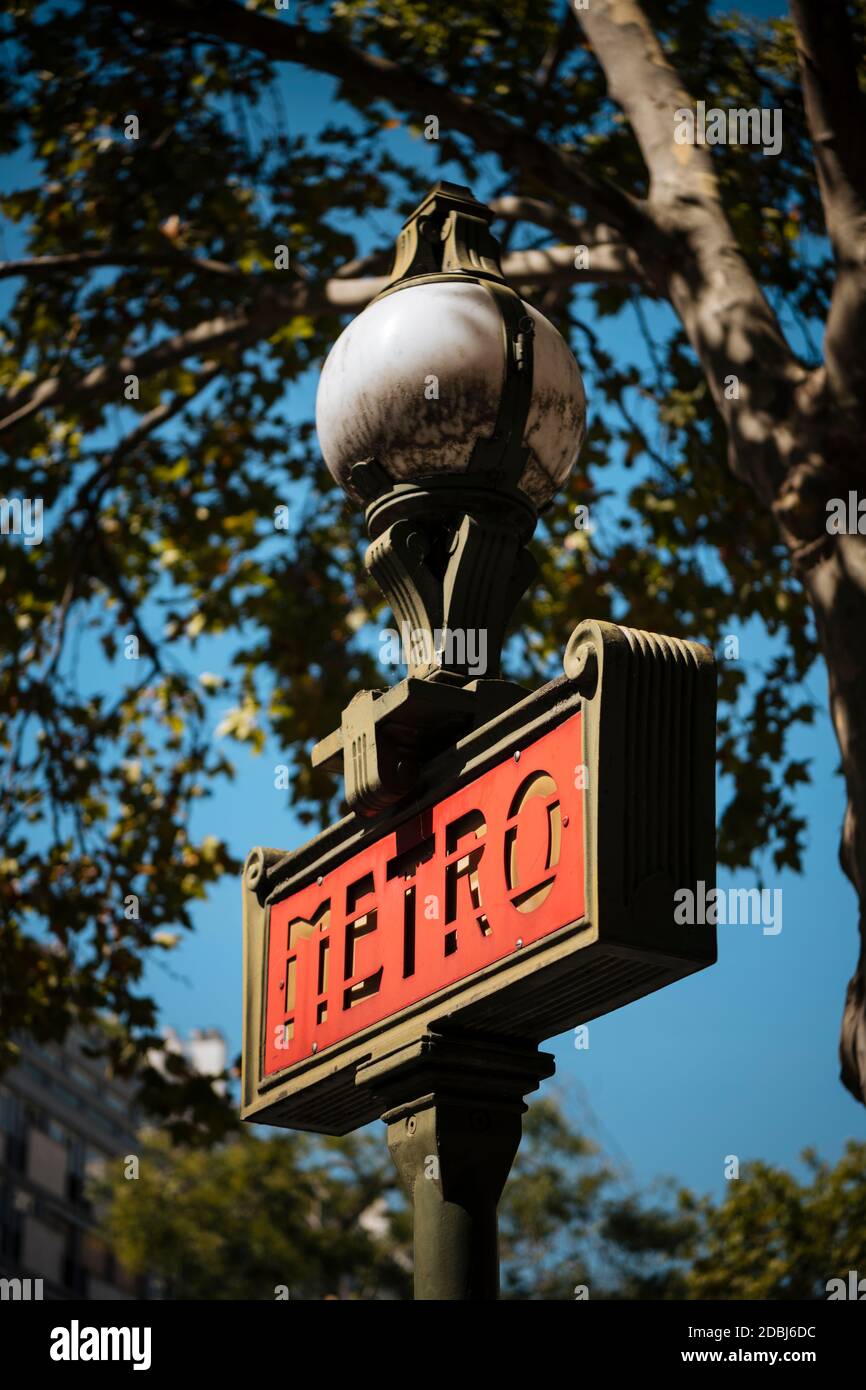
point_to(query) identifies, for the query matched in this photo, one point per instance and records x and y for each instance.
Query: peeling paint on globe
(417, 378)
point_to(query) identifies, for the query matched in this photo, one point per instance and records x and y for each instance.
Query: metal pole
(453, 1160)
(453, 1143)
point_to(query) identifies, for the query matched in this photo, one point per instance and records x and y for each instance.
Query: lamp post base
(454, 1126)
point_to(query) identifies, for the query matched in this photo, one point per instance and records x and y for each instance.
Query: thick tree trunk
(836, 585)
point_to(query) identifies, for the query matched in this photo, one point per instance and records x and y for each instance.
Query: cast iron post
(453, 1135)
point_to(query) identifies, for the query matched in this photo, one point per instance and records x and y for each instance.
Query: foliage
(775, 1237)
(159, 509)
(254, 1214)
(324, 1218)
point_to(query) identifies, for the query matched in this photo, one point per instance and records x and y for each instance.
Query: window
(12, 1119)
(75, 1274)
(83, 1078)
(39, 1076)
(13, 1124)
(11, 1224)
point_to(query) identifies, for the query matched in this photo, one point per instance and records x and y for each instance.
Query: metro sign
(527, 889)
(482, 873)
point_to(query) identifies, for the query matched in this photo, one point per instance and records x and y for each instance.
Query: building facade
(63, 1120)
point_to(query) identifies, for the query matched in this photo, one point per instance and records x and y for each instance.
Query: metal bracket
(378, 744)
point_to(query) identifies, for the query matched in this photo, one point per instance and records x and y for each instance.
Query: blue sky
(740, 1059)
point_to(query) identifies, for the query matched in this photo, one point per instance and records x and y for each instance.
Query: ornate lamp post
(452, 411)
(508, 863)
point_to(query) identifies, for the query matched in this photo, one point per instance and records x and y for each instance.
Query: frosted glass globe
(417, 377)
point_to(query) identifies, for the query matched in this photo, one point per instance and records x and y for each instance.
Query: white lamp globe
(418, 376)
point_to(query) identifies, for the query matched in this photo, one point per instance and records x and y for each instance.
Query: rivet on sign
(320, 880)
(564, 822)
(517, 755)
(519, 942)
(315, 1047)
(411, 1125)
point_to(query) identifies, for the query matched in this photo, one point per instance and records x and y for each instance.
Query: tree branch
(92, 491)
(205, 337)
(726, 316)
(552, 265)
(836, 115)
(549, 67)
(642, 81)
(611, 260)
(515, 208)
(404, 87)
(33, 267)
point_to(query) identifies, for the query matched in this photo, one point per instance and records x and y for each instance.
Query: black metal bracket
(385, 735)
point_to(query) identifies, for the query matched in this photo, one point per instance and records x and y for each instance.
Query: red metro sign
(471, 880)
(528, 888)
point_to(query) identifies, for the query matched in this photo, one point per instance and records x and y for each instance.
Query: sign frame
(647, 708)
